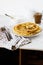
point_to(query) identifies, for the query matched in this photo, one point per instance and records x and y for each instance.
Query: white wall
(20, 8)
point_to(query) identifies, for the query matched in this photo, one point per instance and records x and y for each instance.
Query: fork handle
(7, 35)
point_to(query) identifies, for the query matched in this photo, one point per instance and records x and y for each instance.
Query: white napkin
(16, 41)
(21, 41)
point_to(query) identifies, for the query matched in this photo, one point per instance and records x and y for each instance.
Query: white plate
(28, 36)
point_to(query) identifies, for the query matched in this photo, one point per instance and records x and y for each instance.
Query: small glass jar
(37, 17)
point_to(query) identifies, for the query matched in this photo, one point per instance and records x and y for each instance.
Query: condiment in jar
(37, 17)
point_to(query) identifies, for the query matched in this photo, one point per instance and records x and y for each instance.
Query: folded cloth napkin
(14, 43)
(20, 42)
(8, 44)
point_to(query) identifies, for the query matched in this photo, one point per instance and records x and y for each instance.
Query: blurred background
(20, 8)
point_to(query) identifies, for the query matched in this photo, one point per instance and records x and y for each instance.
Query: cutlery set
(20, 41)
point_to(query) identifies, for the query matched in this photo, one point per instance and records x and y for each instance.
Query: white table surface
(37, 42)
